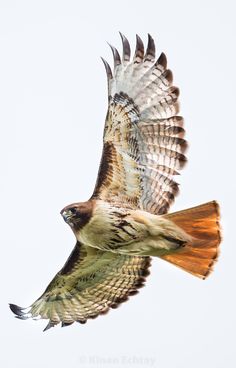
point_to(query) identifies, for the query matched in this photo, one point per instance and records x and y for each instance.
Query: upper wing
(90, 282)
(143, 136)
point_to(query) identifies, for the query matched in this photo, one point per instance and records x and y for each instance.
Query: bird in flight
(125, 222)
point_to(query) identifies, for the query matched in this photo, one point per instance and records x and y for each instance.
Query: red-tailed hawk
(125, 221)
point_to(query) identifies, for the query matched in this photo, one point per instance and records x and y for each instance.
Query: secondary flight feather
(125, 221)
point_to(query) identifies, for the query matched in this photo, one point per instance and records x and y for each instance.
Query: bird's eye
(73, 210)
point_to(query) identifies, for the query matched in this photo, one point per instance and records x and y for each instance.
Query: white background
(52, 108)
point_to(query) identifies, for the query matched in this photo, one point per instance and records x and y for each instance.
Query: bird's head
(77, 214)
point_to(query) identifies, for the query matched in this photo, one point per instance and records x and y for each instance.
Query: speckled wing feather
(143, 136)
(91, 282)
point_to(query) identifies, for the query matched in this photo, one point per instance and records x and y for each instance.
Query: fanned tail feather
(202, 223)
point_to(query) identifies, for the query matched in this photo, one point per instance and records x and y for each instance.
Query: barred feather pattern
(143, 135)
(91, 282)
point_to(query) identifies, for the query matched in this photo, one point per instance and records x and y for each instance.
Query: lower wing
(90, 282)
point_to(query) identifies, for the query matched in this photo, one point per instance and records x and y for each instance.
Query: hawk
(125, 222)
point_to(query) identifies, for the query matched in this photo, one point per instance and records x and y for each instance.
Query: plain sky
(53, 101)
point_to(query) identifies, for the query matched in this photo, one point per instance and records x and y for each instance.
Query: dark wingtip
(108, 68)
(65, 324)
(49, 325)
(82, 321)
(151, 49)
(126, 47)
(139, 43)
(162, 60)
(16, 310)
(168, 75)
(139, 51)
(116, 55)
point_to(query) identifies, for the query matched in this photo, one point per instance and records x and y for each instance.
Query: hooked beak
(67, 215)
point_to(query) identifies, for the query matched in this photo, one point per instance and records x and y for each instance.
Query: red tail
(202, 223)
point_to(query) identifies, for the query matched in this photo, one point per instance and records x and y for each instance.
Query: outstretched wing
(143, 137)
(90, 282)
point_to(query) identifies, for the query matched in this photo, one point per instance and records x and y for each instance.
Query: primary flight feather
(125, 221)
